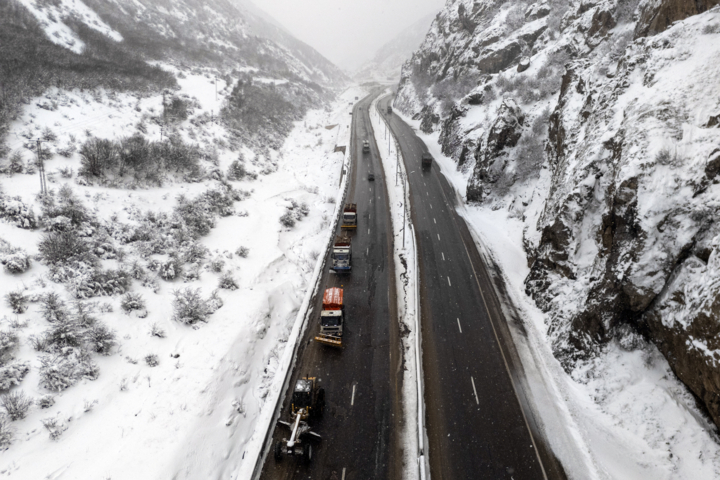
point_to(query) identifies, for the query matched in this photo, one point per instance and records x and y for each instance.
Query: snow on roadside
(196, 413)
(624, 416)
(406, 278)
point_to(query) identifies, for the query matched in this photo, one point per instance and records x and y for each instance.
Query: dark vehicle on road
(371, 176)
(308, 401)
(389, 110)
(366, 146)
(427, 160)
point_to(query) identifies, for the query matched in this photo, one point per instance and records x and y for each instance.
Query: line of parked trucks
(308, 399)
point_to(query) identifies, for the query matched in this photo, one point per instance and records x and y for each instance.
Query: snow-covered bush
(132, 301)
(102, 283)
(194, 252)
(227, 282)
(53, 308)
(11, 375)
(17, 301)
(8, 344)
(63, 334)
(16, 262)
(64, 205)
(217, 264)
(287, 219)
(191, 273)
(214, 303)
(196, 215)
(59, 372)
(243, 252)
(236, 170)
(6, 433)
(152, 360)
(46, 401)
(96, 156)
(54, 427)
(171, 269)
(157, 331)
(16, 405)
(57, 248)
(100, 339)
(189, 307)
(16, 212)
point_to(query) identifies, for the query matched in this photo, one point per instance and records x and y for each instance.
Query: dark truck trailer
(427, 160)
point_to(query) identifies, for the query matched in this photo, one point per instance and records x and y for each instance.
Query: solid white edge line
(343, 475)
(352, 399)
(474, 390)
(459, 327)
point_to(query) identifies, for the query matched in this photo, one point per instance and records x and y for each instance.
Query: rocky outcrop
(657, 15)
(607, 149)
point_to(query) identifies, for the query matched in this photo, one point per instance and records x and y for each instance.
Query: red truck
(332, 318)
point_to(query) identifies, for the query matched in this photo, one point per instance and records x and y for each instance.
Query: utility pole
(216, 88)
(41, 169)
(397, 166)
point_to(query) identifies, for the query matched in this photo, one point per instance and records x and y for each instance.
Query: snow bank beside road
(406, 276)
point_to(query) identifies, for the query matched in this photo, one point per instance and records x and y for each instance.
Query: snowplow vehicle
(342, 254)
(308, 401)
(349, 217)
(332, 318)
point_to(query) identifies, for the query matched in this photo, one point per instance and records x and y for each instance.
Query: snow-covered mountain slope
(595, 126)
(387, 62)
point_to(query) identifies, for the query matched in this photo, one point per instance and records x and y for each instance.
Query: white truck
(342, 254)
(349, 218)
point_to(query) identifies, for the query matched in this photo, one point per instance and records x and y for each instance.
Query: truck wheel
(307, 453)
(278, 451)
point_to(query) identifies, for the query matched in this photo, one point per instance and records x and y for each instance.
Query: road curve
(475, 424)
(363, 381)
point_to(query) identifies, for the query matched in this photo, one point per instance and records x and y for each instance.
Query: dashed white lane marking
(367, 251)
(368, 231)
(343, 475)
(459, 327)
(477, 400)
(427, 193)
(449, 282)
(443, 254)
(352, 400)
(434, 220)
(430, 206)
(438, 236)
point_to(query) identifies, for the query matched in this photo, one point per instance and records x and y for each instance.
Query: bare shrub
(227, 282)
(6, 433)
(100, 339)
(54, 427)
(152, 360)
(17, 301)
(157, 331)
(8, 344)
(53, 308)
(16, 405)
(62, 247)
(59, 372)
(46, 401)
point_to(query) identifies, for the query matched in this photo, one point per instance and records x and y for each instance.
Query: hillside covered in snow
(168, 175)
(590, 128)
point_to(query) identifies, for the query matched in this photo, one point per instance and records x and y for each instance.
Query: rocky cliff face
(596, 123)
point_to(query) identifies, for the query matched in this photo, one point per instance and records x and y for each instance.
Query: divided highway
(475, 424)
(362, 381)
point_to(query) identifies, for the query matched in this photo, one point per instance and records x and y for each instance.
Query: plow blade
(328, 340)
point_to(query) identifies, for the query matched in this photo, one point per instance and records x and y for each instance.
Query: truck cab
(331, 323)
(349, 217)
(427, 160)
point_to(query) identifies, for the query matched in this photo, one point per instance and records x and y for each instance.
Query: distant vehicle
(356, 98)
(427, 160)
(308, 401)
(349, 219)
(366, 146)
(342, 254)
(371, 177)
(389, 110)
(332, 318)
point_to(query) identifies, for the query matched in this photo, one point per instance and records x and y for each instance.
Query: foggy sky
(348, 32)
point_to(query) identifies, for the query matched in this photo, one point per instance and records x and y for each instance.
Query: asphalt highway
(476, 426)
(362, 381)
